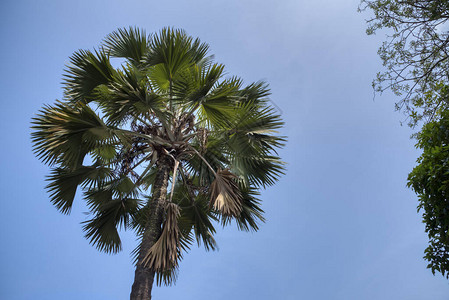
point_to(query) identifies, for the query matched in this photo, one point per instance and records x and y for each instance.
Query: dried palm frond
(225, 194)
(164, 254)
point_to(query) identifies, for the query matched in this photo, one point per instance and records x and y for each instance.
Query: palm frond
(98, 196)
(175, 50)
(65, 181)
(171, 53)
(127, 96)
(164, 254)
(219, 105)
(251, 215)
(212, 150)
(148, 179)
(131, 43)
(104, 152)
(118, 187)
(254, 128)
(159, 76)
(139, 221)
(252, 144)
(195, 83)
(196, 214)
(86, 72)
(225, 195)
(256, 92)
(258, 170)
(102, 229)
(65, 134)
(198, 51)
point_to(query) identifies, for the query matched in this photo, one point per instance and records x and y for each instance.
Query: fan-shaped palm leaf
(65, 134)
(225, 194)
(64, 182)
(165, 252)
(86, 71)
(102, 230)
(131, 43)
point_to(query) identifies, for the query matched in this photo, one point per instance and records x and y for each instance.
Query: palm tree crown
(165, 145)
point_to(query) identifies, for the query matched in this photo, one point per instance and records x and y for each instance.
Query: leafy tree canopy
(416, 60)
(430, 180)
(415, 54)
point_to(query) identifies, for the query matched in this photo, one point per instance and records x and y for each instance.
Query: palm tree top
(167, 109)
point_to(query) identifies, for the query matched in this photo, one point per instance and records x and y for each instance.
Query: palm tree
(164, 145)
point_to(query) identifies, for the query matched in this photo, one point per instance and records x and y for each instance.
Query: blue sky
(341, 223)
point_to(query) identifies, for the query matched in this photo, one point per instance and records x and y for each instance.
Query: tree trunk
(143, 278)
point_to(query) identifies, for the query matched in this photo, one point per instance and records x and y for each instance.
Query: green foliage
(416, 60)
(430, 180)
(169, 106)
(415, 54)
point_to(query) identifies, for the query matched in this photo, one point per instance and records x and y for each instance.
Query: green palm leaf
(86, 72)
(258, 170)
(127, 96)
(195, 83)
(64, 182)
(131, 43)
(175, 50)
(102, 229)
(195, 214)
(65, 134)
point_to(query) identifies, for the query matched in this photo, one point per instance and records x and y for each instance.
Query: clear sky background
(341, 223)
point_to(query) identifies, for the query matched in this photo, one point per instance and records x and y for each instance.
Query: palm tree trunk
(144, 277)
